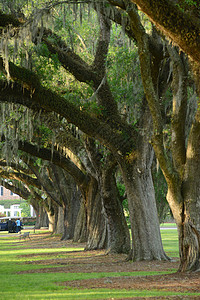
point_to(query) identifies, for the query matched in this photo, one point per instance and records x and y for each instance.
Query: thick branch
(43, 98)
(57, 159)
(28, 180)
(46, 183)
(15, 167)
(145, 66)
(94, 74)
(71, 62)
(23, 193)
(99, 63)
(179, 86)
(178, 25)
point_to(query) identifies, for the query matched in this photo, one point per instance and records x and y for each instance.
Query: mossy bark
(182, 28)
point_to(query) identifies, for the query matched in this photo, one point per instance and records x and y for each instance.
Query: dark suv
(4, 226)
(9, 226)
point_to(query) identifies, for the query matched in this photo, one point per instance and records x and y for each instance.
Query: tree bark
(145, 229)
(41, 217)
(95, 219)
(184, 203)
(71, 210)
(52, 212)
(190, 227)
(60, 228)
(118, 232)
(104, 167)
(91, 227)
(174, 22)
(80, 232)
(69, 196)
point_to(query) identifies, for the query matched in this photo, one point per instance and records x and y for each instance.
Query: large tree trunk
(69, 196)
(183, 184)
(60, 228)
(91, 225)
(52, 212)
(80, 232)
(118, 237)
(71, 210)
(145, 228)
(184, 205)
(71, 205)
(184, 200)
(189, 243)
(118, 232)
(189, 229)
(41, 217)
(95, 219)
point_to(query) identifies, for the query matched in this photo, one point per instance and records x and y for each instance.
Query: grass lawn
(18, 260)
(168, 225)
(170, 242)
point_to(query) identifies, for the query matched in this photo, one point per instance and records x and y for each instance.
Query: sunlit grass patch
(53, 285)
(91, 294)
(170, 242)
(44, 285)
(168, 225)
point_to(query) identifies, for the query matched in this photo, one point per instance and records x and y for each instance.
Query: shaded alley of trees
(99, 109)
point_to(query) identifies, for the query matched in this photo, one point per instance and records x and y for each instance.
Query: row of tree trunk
(99, 215)
(94, 217)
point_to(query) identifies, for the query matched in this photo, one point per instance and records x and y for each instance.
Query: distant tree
(25, 210)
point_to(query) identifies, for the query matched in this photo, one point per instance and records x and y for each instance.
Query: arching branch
(22, 192)
(57, 158)
(50, 101)
(178, 25)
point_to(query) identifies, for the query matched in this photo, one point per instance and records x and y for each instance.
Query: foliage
(43, 135)
(8, 203)
(186, 4)
(190, 2)
(121, 188)
(25, 210)
(20, 7)
(23, 204)
(124, 75)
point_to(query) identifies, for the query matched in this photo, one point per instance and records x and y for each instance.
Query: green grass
(44, 285)
(170, 242)
(168, 225)
(89, 294)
